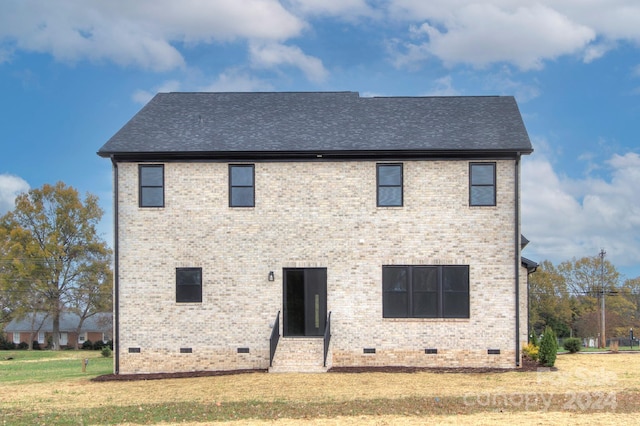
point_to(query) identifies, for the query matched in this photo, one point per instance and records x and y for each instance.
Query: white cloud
(141, 33)
(518, 32)
(144, 96)
(566, 218)
(443, 87)
(10, 187)
(272, 55)
(347, 9)
(481, 34)
(235, 80)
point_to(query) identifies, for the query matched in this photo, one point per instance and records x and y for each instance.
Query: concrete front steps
(299, 355)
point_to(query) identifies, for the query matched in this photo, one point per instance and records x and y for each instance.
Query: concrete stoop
(299, 355)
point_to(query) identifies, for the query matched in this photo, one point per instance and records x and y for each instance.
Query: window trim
(440, 293)
(472, 186)
(182, 300)
(232, 186)
(141, 186)
(379, 185)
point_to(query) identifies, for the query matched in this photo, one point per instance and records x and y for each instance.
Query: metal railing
(273, 340)
(327, 338)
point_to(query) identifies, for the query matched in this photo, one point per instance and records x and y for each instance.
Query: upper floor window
(189, 285)
(482, 184)
(425, 291)
(151, 192)
(389, 183)
(241, 185)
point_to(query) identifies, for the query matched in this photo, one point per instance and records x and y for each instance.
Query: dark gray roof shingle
(199, 123)
(68, 322)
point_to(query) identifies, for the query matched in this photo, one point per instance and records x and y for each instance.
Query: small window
(241, 186)
(425, 291)
(389, 182)
(482, 184)
(189, 285)
(151, 192)
(16, 338)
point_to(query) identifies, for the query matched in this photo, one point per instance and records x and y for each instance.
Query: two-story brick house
(236, 213)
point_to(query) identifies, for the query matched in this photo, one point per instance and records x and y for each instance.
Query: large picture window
(151, 178)
(389, 182)
(425, 291)
(189, 285)
(482, 184)
(241, 185)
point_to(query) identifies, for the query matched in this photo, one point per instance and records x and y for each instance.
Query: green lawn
(46, 366)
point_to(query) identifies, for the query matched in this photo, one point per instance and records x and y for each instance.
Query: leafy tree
(51, 253)
(630, 291)
(549, 300)
(589, 279)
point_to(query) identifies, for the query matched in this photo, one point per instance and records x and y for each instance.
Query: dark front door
(305, 301)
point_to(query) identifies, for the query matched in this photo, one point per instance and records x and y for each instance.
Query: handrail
(273, 340)
(327, 338)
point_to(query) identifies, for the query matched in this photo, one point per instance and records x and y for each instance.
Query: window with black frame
(188, 285)
(440, 291)
(482, 184)
(389, 183)
(151, 185)
(241, 185)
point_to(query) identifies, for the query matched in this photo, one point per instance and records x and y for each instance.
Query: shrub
(23, 345)
(6, 345)
(98, 345)
(531, 351)
(106, 352)
(548, 348)
(572, 344)
(110, 344)
(35, 345)
(87, 345)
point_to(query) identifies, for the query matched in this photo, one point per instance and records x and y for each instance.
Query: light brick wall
(311, 214)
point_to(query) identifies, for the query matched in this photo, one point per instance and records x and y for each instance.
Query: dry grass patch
(594, 384)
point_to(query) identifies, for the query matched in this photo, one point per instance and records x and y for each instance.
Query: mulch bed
(178, 375)
(527, 365)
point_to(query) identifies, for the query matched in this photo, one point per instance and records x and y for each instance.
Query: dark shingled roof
(217, 124)
(68, 322)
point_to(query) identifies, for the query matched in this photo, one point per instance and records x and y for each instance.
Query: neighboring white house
(364, 231)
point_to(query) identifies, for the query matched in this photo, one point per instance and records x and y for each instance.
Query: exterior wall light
(271, 276)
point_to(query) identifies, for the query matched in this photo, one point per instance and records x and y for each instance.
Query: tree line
(52, 259)
(568, 297)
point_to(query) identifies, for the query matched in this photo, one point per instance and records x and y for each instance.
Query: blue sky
(73, 72)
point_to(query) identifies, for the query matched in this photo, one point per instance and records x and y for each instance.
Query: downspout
(517, 255)
(116, 273)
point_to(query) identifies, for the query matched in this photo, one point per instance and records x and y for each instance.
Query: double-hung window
(151, 188)
(241, 185)
(482, 184)
(389, 183)
(189, 285)
(425, 291)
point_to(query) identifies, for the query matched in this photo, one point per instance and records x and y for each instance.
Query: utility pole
(602, 335)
